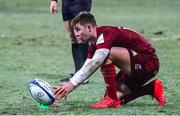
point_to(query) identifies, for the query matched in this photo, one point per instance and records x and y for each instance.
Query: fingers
(53, 10)
(56, 87)
(60, 92)
(53, 7)
(59, 88)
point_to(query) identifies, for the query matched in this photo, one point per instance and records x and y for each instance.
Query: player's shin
(141, 91)
(109, 74)
(154, 88)
(110, 99)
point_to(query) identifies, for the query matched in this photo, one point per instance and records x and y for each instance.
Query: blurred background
(35, 44)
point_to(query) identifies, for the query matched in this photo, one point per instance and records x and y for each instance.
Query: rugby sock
(83, 51)
(109, 74)
(76, 58)
(144, 90)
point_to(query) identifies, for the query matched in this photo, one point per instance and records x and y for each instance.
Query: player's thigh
(121, 58)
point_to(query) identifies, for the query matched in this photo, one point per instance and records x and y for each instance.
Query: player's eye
(77, 29)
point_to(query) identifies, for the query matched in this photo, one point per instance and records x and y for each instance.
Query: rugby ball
(41, 91)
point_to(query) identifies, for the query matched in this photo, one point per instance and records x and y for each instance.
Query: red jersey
(108, 36)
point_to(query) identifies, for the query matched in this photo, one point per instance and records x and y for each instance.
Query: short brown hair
(83, 18)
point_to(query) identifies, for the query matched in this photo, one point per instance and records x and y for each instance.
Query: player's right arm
(86, 71)
(53, 6)
(90, 66)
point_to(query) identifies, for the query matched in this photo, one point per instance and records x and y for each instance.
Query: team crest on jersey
(100, 39)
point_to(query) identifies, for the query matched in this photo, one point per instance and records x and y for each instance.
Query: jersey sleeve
(91, 50)
(105, 40)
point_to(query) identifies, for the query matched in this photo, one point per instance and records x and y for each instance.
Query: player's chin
(85, 40)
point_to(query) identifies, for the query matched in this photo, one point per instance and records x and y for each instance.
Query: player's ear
(89, 27)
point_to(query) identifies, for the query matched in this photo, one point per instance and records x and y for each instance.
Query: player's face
(82, 32)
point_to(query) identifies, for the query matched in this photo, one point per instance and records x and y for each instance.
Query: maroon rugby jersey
(109, 36)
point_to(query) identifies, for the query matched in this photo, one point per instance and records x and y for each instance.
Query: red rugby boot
(159, 92)
(106, 102)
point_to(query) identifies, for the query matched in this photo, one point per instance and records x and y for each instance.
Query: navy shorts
(144, 66)
(70, 8)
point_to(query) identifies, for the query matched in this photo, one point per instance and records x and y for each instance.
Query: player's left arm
(89, 67)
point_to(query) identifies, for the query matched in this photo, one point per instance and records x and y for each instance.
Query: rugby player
(119, 47)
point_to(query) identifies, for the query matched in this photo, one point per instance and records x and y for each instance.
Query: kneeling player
(121, 47)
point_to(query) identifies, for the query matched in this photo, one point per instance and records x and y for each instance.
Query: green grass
(34, 44)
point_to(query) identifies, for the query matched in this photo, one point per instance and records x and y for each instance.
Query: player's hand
(63, 90)
(53, 7)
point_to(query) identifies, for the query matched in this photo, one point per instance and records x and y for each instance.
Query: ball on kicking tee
(41, 91)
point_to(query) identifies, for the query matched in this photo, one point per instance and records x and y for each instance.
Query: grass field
(34, 44)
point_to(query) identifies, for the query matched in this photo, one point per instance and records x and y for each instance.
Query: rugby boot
(158, 93)
(106, 102)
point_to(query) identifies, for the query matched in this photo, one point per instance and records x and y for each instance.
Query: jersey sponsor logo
(100, 39)
(134, 53)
